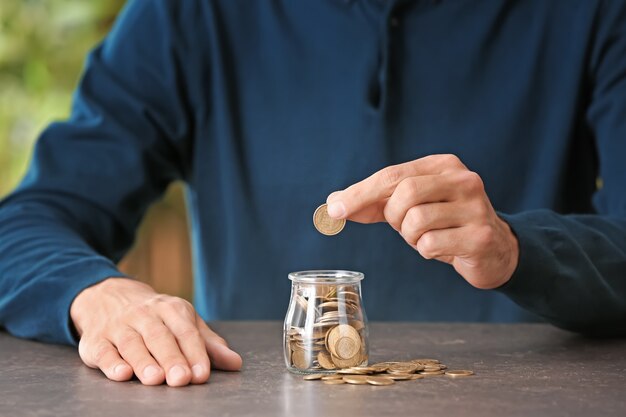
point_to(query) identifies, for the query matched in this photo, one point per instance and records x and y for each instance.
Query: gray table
(523, 370)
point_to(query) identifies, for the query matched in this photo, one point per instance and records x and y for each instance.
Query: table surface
(521, 369)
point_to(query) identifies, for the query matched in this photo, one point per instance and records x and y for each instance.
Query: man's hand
(126, 328)
(441, 209)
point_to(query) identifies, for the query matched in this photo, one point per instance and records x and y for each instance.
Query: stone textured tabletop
(521, 370)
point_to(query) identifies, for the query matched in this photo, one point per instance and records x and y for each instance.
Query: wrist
(512, 258)
(87, 300)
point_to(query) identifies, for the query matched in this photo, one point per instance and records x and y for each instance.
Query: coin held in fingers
(325, 224)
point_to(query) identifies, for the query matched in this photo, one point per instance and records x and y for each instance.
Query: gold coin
(365, 369)
(400, 377)
(403, 368)
(432, 373)
(339, 332)
(459, 373)
(347, 363)
(313, 377)
(353, 371)
(378, 369)
(355, 379)
(379, 380)
(346, 348)
(325, 224)
(300, 359)
(333, 381)
(331, 377)
(325, 360)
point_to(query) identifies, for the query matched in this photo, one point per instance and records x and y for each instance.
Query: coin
(432, 373)
(361, 375)
(313, 377)
(400, 377)
(459, 373)
(403, 368)
(300, 360)
(325, 224)
(355, 379)
(379, 380)
(332, 333)
(333, 381)
(325, 361)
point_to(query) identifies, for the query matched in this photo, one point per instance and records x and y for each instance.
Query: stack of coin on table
(387, 373)
(327, 330)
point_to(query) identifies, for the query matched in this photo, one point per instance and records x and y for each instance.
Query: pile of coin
(387, 373)
(328, 330)
(325, 224)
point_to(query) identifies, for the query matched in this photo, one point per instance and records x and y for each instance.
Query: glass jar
(325, 326)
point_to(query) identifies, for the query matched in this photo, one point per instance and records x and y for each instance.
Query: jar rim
(326, 276)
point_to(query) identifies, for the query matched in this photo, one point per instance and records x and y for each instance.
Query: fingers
(435, 244)
(132, 348)
(129, 328)
(374, 213)
(222, 357)
(191, 344)
(414, 191)
(105, 356)
(163, 346)
(433, 216)
(381, 185)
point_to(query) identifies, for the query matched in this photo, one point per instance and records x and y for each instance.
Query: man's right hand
(126, 327)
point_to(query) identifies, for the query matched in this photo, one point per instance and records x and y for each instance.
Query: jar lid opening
(330, 276)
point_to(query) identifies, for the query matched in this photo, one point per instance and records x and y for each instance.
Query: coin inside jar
(325, 328)
(325, 224)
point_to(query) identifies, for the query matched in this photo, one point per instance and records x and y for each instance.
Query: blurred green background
(43, 45)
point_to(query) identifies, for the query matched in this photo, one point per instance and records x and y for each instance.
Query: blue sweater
(264, 107)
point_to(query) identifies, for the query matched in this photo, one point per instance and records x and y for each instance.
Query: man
(480, 129)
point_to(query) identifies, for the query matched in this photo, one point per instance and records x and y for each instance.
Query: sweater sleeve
(92, 177)
(572, 268)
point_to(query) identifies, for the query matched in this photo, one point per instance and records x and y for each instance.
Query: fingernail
(336, 209)
(119, 369)
(150, 371)
(332, 196)
(197, 371)
(177, 372)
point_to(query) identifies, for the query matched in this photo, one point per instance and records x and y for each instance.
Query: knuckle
(85, 349)
(484, 236)
(450, 160)
(187, 333)
(181, 306)
(471, 182)
(415, 218)
(481, 210)
(157, 332)
(390, 175)
(170, 360)
(101, 350)
(128, 339)
(140, 311)
(407, 189)
(425, 245)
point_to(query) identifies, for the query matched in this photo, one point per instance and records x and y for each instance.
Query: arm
(570, 269)
(75, 214)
